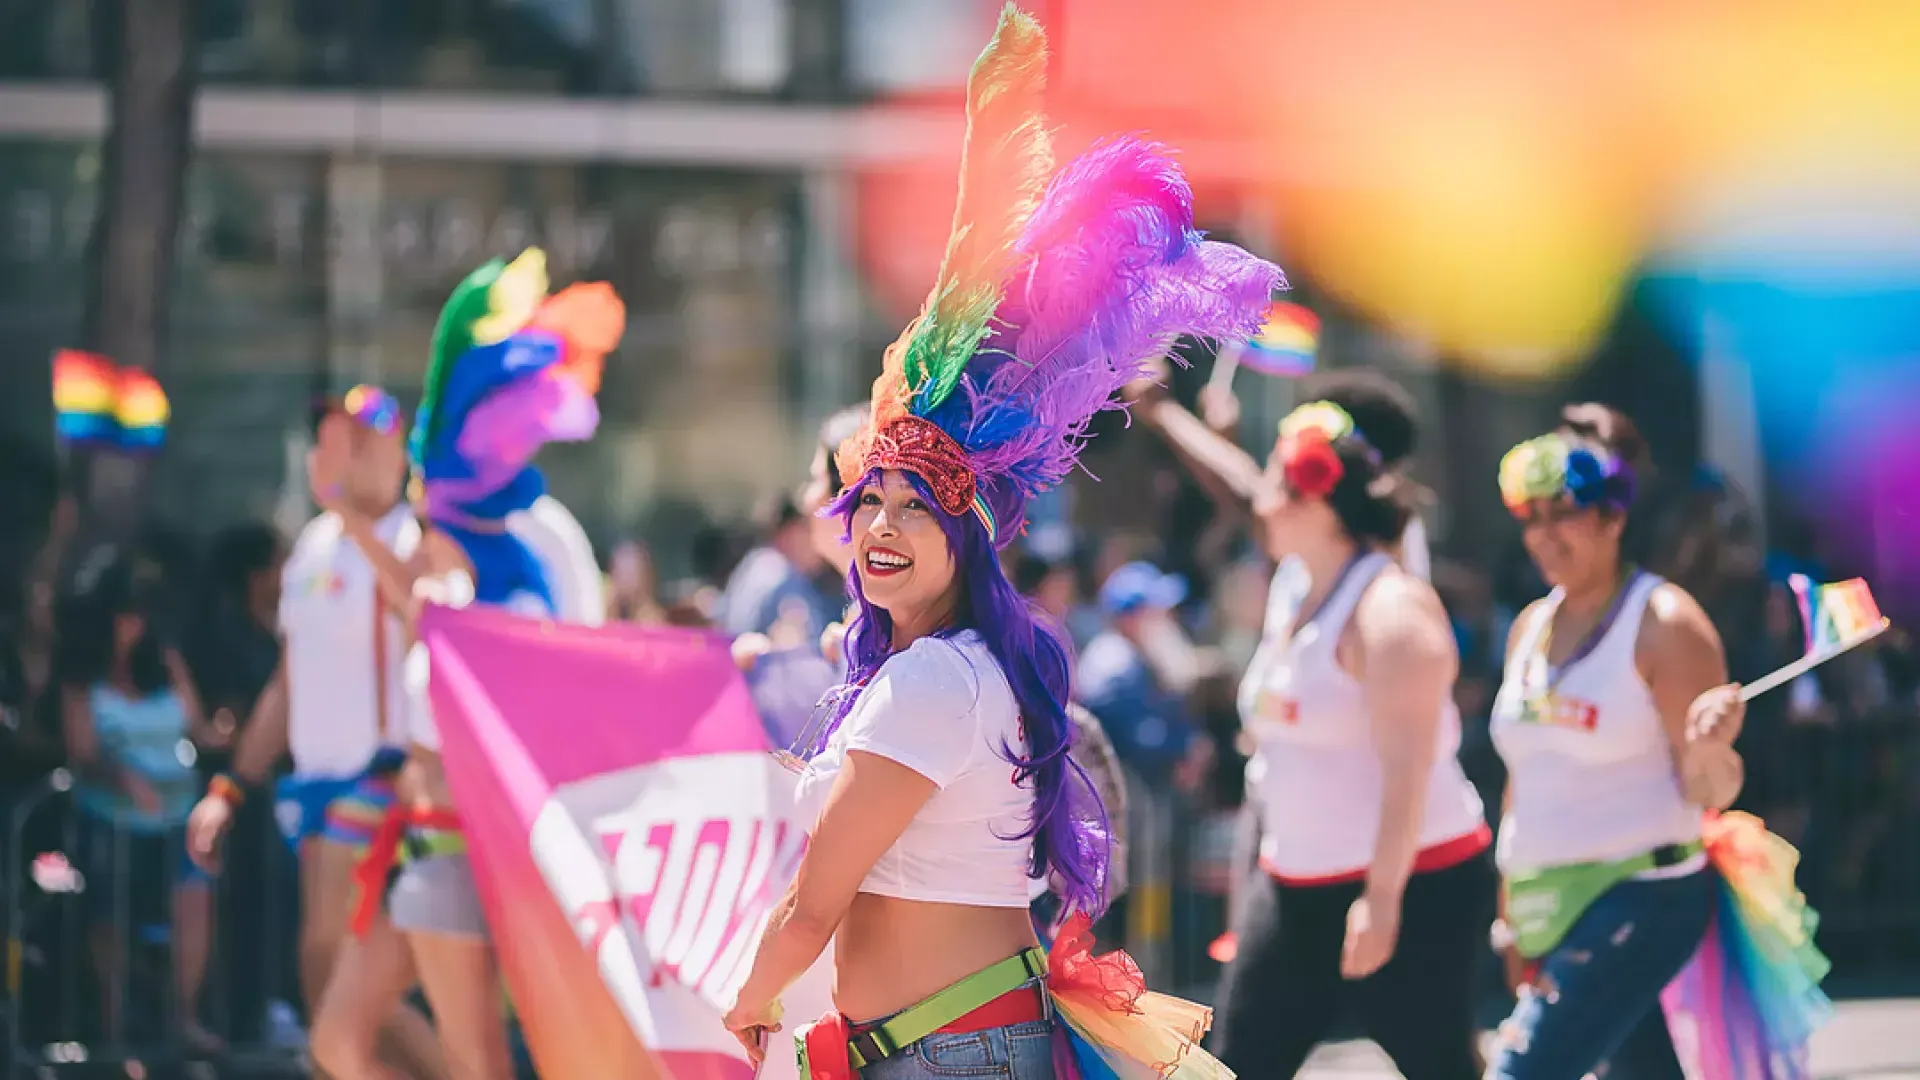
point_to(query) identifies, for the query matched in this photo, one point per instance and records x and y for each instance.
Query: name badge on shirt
(1276, 708)
(1553, 710)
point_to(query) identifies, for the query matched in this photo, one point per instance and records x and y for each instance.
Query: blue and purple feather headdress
(1056, 290)
(512, 370)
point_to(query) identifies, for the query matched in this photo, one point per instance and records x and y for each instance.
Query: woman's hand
(206, 827)
(751, 1024)
(1716, 716)
(1373, 929)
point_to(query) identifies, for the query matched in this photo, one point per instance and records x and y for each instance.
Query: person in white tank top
(336, 700)
(1617, 733)
(1373, 888)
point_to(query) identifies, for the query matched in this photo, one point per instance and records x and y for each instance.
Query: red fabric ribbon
(1113, 979)
(827, 1042)
(370, 873)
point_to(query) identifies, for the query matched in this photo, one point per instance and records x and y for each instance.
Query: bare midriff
(890, 954)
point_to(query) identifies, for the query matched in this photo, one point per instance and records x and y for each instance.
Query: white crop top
(1315, 772)
(1590, 770)
(943, 708)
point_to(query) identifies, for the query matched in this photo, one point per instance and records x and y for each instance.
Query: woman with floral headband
(944, 785)
(1617, 735)
(1373, 889)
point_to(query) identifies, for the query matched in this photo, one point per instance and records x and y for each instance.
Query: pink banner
(629, 832)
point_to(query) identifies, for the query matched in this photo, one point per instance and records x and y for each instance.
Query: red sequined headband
(921, 448)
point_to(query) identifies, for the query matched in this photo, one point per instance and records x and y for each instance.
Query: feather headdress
(512, 369)
(1056, 290)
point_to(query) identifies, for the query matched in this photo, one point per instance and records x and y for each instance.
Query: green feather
(1004, 166)
(452, 337)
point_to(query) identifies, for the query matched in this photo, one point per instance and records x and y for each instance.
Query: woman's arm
(1681, 658)
(873, 801)
(1228, 473)
(1410, 663)
(405, 585)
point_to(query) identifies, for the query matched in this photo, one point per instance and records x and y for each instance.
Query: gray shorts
(436, 895)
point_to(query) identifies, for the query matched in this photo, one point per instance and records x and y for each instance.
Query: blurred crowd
(155, 649)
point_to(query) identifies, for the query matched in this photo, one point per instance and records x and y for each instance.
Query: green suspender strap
(1542, 905)
(919, 1021)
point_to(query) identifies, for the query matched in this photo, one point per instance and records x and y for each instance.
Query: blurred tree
(146, 54)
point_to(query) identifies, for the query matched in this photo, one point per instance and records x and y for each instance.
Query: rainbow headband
(920, 447)
(1309, 457)
(1553, 467)
(373, 408)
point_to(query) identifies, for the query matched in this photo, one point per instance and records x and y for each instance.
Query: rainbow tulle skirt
(1111, 1027)
(1747, 1003)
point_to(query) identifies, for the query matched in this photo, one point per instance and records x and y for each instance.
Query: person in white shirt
(336, 701)
(1372, 890)
(1617, 733)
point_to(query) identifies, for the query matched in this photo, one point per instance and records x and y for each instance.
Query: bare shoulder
(1399, 596)
(1674, 617)
(1401, 612)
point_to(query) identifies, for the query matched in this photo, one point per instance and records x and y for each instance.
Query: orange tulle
(1138, 1033)
(590, 317)
(1113, 980)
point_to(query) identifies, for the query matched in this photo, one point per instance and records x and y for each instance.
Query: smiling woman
(943, 785)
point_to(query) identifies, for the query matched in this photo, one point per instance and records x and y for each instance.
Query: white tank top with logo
(1590, 770)
(1315, 773)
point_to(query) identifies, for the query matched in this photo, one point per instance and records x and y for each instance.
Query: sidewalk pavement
(1867, 1040)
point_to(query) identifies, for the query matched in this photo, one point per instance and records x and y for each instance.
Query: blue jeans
(1015, 1052)
(1596, 998)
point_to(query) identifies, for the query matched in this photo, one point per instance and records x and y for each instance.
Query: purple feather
(504, 432)
(1115, 273)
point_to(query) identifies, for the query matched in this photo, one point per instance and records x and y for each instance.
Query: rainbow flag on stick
(99, 403)
(629, 831)
(1838, 617)
(1287, 344)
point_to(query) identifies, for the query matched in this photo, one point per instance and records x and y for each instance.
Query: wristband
(224, 788)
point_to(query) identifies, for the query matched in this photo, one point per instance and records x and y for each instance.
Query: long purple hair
(1069, 828)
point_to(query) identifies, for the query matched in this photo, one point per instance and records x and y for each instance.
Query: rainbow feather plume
(1004, 165)
(1053, 292)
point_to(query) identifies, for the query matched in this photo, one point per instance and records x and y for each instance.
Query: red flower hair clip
(1310, 463)
(1308, 459)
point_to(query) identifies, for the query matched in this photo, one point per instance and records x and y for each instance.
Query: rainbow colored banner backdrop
(629, 832)
(99, 403)
(1288, 341)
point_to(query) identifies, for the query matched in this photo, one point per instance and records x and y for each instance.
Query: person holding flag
(1627, 898)
(335, 700)
(945, 783)
(512, 369)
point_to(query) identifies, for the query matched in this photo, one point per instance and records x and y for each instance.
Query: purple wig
(1069, 827)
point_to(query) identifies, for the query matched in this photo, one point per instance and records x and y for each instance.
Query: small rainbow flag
(99, 403)
(1287, 342)
(1835, 615)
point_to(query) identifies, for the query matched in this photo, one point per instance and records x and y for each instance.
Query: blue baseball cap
(1140, 585)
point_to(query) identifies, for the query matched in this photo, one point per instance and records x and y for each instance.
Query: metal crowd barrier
(91, 977)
